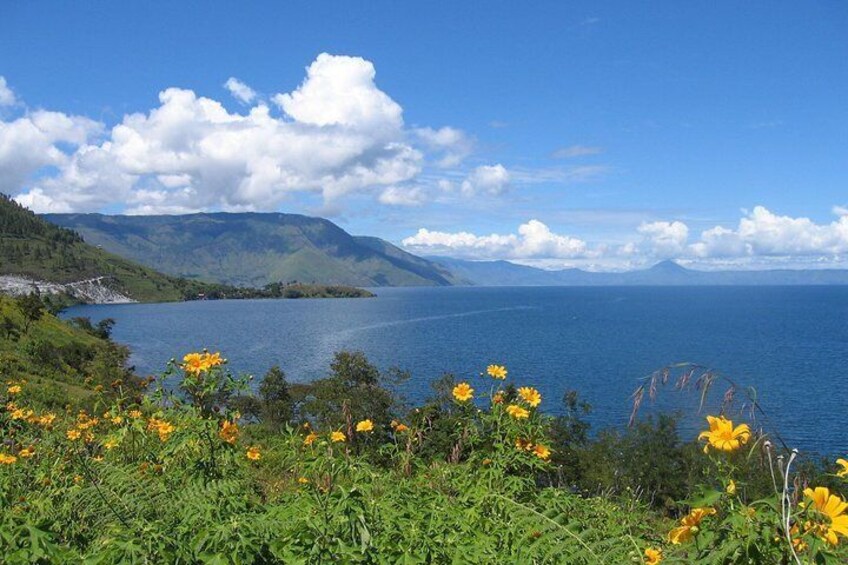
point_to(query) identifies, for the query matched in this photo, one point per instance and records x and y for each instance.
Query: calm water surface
(790, 343)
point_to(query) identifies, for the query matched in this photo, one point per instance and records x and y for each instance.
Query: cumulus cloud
(240, 91)
(7, 97)
(764, 233)
(761, 238)
(489, 179)
(533, 240)
(340, 91)
(337, 134)
(574, 151)
(665, 239)
(33, 141)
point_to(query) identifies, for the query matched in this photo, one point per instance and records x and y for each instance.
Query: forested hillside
(253, 249)
(35, 249)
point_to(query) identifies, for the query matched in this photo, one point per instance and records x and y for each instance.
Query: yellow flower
(723, 436)
(542, 452)
(193, 363)
(229, 432)
(110, 443)
(161, 427)
(14, 389)
(517, 412)
(337, 437)
(73, 435)
(77, 479)
(135, 413)
(213, 359)
(47, 420)
(653, 556)
(21, 414)
(196, 363)
(530, 395)
(253, 453)
(689, 525)
(496, 371)
(117, 420)
(731, 487)
(303, 480)
(401, 428)
(463, 392)
(833, 509)
(365, 426)
(844, 471)
(27, 452)
(6, 459)
(498, 398)
(310, 439)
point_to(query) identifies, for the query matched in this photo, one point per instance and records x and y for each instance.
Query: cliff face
(90, 291)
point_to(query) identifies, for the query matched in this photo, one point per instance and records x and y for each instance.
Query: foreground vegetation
(99, 466)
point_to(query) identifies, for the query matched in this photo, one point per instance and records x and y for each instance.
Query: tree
(353, 368)
(31, 307)
(277, 408)
(351, 393)
(9, 328)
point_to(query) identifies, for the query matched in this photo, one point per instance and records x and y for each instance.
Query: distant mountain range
(669, 273)
(254, 249)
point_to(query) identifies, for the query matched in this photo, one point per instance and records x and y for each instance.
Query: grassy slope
(254, 249)
(62, 362)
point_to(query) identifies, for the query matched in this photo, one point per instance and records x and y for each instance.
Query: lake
(790, 343)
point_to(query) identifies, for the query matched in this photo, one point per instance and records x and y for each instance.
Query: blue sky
(600, 134)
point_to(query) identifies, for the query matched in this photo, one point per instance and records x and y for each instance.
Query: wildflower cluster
(179, 475)
(196, 363)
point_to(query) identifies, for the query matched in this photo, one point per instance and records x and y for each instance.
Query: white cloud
(761, 239)
(763, 233)
(665, 239)
(340, 91)
(398, 196)
(454, 144)
(7, 97)
(240, 91)
(573, 151)
(489, 179)
(31, 142)
(533, 240)
(340, 134)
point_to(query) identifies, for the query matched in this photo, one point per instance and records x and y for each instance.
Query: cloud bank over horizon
(761, 238)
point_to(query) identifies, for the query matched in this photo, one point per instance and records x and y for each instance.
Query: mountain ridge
(664, 273)
(254, 249)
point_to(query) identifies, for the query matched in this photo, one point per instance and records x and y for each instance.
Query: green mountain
(253, 249)
(32, 249)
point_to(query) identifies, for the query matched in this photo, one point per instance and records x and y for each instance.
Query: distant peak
(668, 266)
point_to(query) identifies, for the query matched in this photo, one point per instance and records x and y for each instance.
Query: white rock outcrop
(91, 291)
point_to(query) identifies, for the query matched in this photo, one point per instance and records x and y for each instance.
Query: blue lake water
(790, 343)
